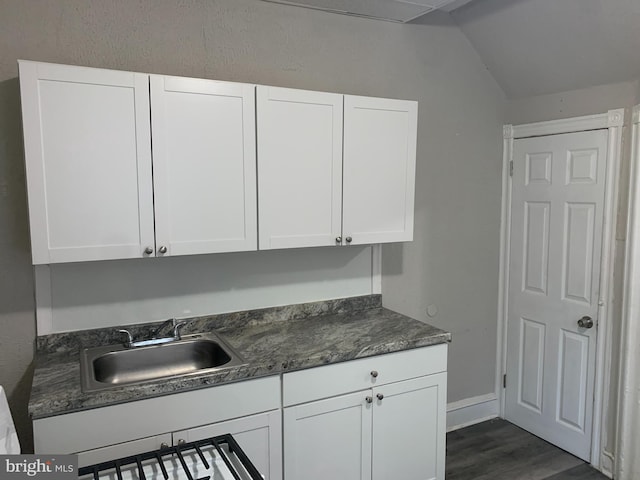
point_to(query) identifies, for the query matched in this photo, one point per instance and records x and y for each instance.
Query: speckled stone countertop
(271, 341)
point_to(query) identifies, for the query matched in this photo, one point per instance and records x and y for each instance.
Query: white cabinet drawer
(135, 447)
(331, 380)
(90, 429)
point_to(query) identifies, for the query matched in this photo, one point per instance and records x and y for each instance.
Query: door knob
(348, 239)
(369, 399)
(380, 396)
(148, 251)
(162, 249)
(585, 322)
(338, 239)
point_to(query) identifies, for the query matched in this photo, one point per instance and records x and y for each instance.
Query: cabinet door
(120, 450)
(88, 162)
(259, 436)
(379, 169)
(409, 429)
(204, 165)
(299, 167)
(329, 439)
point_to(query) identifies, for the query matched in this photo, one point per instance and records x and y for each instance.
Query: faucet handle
(129, 337)
(176, 329)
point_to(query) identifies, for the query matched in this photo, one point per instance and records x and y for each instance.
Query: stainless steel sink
(113, 365)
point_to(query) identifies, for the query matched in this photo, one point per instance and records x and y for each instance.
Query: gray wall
(590, 101)
(453, 261)
(586, 101)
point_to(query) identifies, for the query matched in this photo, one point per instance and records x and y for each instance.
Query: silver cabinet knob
(348, 239)
(379, 396)
(162, 249)
(585, 322)
(369, 399)
(164, 445)
(148, 251)
(338, 239)
(374, 373)
(181, 441)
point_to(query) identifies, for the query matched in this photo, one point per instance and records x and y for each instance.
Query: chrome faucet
(154, 340)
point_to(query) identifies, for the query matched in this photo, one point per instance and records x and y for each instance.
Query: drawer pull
(374, 373)
(369, 399)
(380, 396)
(164, 445)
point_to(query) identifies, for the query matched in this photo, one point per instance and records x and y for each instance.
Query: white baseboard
(606, 463)
(471, 411)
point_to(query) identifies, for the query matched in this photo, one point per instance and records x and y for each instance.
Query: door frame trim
(613, 121)
(627, 464)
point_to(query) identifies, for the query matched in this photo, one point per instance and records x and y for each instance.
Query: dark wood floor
(498, 450)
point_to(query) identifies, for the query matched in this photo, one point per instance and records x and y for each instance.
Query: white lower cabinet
(260, 436)
(325, 439)
(376, 418)
(249, 410)
(391, 430)
(409, 428)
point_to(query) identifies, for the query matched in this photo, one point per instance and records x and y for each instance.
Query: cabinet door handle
(348, 239)
(148, 251)
(380, 396)
(164, 445)
(181, 441)
(374, 373)
(162, 249)
(338, 240)
(369, 399)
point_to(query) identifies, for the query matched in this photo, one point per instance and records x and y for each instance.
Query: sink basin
(114, 365)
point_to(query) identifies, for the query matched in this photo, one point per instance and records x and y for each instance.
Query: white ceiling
(535, 47)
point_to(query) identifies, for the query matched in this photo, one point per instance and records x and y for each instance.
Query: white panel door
(299, 167)
(204, 168)
(409, 429)
(379, 169)
(329, 439)
(88, 162)
(259, 436)
(554, 278)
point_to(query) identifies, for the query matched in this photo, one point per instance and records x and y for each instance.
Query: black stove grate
(178, 451)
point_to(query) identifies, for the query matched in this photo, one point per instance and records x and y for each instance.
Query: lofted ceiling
(535, 47)
(531, 47)
(392, 10)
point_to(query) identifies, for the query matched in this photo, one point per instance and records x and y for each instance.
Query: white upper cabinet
(88, 162)
(299, 167)
(94, 188)
(379, 169)
(334, 169)
(204, 165)
(129, 165)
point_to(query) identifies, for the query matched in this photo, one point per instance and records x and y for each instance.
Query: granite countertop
(271, 341)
